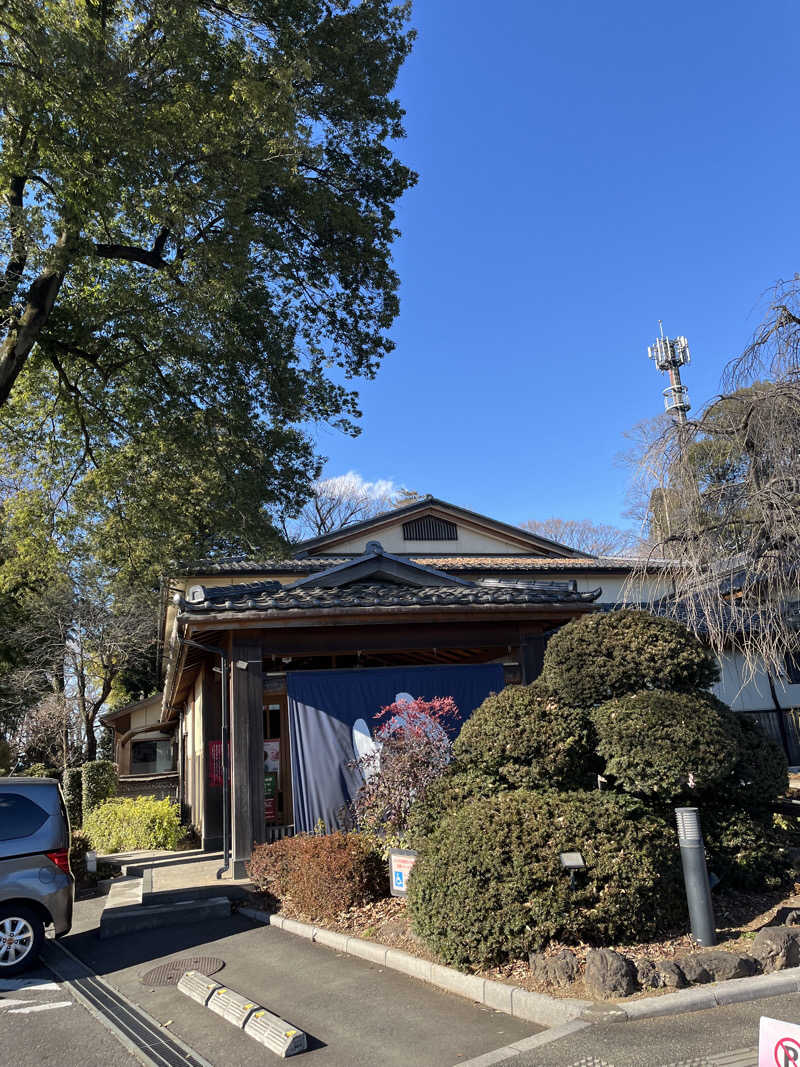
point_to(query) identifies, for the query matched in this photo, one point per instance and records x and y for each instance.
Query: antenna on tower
(670, 356)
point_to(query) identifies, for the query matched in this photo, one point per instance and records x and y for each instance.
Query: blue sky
(584, 171)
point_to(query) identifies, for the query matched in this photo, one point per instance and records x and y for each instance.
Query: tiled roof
(500, 564)
(269, 596)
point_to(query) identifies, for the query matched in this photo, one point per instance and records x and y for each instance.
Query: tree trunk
(24, 331)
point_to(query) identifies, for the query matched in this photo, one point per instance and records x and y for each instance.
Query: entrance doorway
(277, 762)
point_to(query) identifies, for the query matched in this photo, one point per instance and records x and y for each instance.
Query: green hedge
(78, 847)
(744, 850)
(488, 884)
(126, 824)
(99, 783)
(451, 791)
(597, 657)
(665, 745)
(73, 795)
(761, 774)
(523, 737)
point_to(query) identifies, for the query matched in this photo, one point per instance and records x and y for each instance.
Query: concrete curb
(538, 1007)
(698, 998)
(127, 920)
(532, 1007)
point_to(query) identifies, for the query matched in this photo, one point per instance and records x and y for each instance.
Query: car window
(19, 817)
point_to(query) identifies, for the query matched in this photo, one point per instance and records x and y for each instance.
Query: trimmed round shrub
(448, 793)
(744, 850)
(761, 773)
(663, 745)
(523, 737)
(321, 874)
(73, 795)
(488, 885)
(126, 824)
(39, 770)
(99, 783)
(597, 657)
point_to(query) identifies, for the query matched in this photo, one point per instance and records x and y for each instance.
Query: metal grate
(430, 528)
(169, 973)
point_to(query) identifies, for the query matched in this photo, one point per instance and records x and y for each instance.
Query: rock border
(538, 1008)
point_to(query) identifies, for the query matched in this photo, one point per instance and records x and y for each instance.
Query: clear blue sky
(584, 170)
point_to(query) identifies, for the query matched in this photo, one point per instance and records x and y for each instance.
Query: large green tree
(197, 228)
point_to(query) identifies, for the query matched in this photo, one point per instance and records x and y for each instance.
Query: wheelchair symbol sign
(399, 879)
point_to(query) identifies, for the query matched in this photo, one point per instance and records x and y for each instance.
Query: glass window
(19, 817)
(151, 757)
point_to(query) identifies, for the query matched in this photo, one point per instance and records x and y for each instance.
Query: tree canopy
(197, 229)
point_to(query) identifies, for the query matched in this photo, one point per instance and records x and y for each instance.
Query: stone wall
(149, 785)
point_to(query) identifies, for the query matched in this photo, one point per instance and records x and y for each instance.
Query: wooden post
(247, 753)
(211, 827)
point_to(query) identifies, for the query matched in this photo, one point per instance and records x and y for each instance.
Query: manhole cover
(169, 973)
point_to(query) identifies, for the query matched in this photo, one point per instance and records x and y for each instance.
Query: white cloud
(353, 484)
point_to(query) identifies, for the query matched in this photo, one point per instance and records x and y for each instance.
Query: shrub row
(322, 875)
(73, 795)
(99, 783)
(128, 823)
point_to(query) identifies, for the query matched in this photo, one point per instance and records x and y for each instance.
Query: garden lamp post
(695, 877)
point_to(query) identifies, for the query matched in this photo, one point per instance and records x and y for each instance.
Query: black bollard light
(695, 877)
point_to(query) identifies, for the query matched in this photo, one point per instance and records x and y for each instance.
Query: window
(429, 528)
(151, 757)
(19, 817)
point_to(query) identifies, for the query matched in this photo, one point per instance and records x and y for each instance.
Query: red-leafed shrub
(321, 874)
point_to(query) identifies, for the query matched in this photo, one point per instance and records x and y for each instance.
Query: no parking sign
(778, 1043)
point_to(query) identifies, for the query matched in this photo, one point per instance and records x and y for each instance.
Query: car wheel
(21, 937)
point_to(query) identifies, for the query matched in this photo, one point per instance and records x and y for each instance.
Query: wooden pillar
(247, 753)
(211, 704)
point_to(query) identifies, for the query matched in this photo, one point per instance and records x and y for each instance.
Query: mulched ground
(739, 916)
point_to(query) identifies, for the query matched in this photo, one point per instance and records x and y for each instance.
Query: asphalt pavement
(722, 1037)
(42, 1025)
(356, 1014)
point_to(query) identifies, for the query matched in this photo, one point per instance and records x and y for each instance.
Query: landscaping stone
(609, 973)
(670, 975)
(777, 947)
(563, 969)
(559, 970)
(694, 970)
(647, 974)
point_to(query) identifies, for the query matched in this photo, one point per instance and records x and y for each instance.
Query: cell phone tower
(670, 355)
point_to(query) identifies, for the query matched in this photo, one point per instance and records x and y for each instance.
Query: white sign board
(778, 1043)
(401, 863)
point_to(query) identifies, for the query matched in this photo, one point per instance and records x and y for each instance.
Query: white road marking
(41, 1007)
(12, 985)
(11, 1003)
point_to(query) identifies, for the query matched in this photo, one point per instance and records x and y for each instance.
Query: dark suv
(36, 886)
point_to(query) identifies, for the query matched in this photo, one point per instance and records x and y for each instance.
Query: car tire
(21, 938)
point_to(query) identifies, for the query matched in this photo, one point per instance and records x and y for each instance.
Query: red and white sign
(778, 1043)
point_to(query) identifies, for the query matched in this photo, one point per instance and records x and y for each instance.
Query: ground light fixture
(572, 862)
(695, 876)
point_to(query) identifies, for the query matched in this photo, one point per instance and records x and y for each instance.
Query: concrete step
(222, 888)
(118, 920)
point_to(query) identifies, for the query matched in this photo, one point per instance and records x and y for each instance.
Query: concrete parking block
(367, 950)
(198, 987)
(232, 1006)
(408, 964)
(466, 985)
